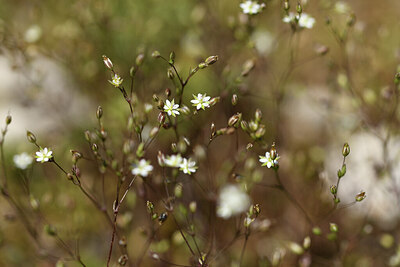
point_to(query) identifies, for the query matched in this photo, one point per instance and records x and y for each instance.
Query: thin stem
(291, 198)
(244, 248)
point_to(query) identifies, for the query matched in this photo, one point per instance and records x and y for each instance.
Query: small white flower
(173, 161)
(142, 168)
(188, 166)
(306, 21)
(251, 7)
(201, 101)
(303, 20)
(342, 7)
(171, 108)
(43, 155)
(267, 161)
(116, 80)
(148, 107)
(23, 160)
(232, 201)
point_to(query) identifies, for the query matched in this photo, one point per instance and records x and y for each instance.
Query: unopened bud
(322, 50)
(272, 152)
(161, 117)
(214, 101)
(8, 119)
(234, 119)
(230, 130)
(247, 67)
(140, 150)
(307, 242)
(185, 110)
(107, 62)
(50, 230)
(160, 104)
(333, 227)
(99, 112)
(351, 20)
(333, 189)
(95, 148)
(346, 150)
(167, 92)
(202, 65)
(213, 130)
(178, 190)
(258, 115)
(260, 132)
(132, 71)
(341, 172)
(234, 99)
(139, 59)
(193, 206)
(155, 98)
(123, 260)
(31, 137)
(397, 78)
(286, 5)
(360, 196)
(161, 159)
(155, 54)
(172, 57)
(211, 60)
(154, 132)
(299, 9)
(174, 147)
(244, 125)
(170, 74)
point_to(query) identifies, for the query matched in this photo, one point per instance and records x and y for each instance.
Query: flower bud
(234, 119)
(155, 98)
(140, 150)
(234, 99)
(213, 130)
(260, 132)
(99, 112)
(211, 60)
(170, 74)
(307, 242)
(193, 206)
(185, 110)
(397, 78)
(230, 130)
(202, 65)
(172, 57)
(258, 115)
(167, 92)
(346, 150)
(132, 71)
(174, 147)
(333, 189)
(163, 217)
(351, 20)
(247, 67)
(214, 101)
(286, 5)
(31, 137)
(316, 230)
(244, 125)
(160, 104)
(178, 190)
(128, 146)
(139, 59)
(161, 117)
(8, 119)
(299, 9)
(322, 50)
(360, 196)
(50, 230)
(272, 152)
(341, 172)
(333, 227)
(154, 132)
(155, 54)
(107, 62)
(123, 260)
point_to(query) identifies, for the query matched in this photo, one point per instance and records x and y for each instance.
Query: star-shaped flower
(116, 80)
(43, 155)
(142, 168)
(173, 161)
(251, 7)
(201, 101)
(188, 166)
(268, 161)
(171, 108)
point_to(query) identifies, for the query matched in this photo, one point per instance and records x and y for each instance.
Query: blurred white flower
(232, 201)
(33, 34)
(142, 168)
(148, 107)
(251, 7)
(188, 166)
(116, 80)
(173, 161)
(303, 20)
(342, 7)
(171, 108)
(201, 101)
(267, 160)
(23, 160)
(43, 155)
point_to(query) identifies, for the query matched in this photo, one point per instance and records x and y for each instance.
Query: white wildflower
(232, 201)
(142, 168)
(303, 20)
(116, 80)
(173, 161)
(188, 166)
(201, 101)
(23, 160)
(43, 155)
(268, 161)
(251, 7)
(171, 108)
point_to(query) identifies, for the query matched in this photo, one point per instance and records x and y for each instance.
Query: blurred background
(317, 89)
